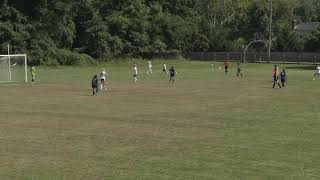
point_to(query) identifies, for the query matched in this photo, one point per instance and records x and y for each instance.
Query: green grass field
(205, 126)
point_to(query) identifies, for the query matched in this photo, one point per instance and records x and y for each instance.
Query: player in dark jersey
(172, 74)
(94, 85)
(226, 66)
(283, 78)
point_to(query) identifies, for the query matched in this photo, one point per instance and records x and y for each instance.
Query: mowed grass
(205, 126)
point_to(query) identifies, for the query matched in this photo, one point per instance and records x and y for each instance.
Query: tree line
(71, 32)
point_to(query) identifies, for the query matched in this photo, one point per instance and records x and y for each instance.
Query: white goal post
(14, 68)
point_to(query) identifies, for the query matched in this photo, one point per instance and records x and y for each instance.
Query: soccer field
(205, 126)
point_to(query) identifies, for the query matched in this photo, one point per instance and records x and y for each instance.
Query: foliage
(313, 41)
(145, 28)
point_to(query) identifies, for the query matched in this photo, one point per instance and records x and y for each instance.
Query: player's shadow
(86, 95)
(310, 67)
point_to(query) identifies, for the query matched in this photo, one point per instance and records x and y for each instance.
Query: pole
(26, 68)
(242, 55)
(270, 33)
(9, 63)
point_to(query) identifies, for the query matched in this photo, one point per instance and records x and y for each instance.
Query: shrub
(66, 57)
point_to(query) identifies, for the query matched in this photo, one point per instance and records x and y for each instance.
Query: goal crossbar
(14, 55)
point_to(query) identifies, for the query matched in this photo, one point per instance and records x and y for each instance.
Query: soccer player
(226, 66)
(135, 73)
(317, 73)
(149, 68)
(103, 80)
(276, 76)
(164, 69)
(239, 71)
(172, 74)
(94, 85)
(33, 74)
(212, 67)
(283, 77)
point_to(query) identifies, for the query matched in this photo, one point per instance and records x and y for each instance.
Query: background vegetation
(83, 31)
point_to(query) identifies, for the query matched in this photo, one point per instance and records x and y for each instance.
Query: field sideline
(205, 126)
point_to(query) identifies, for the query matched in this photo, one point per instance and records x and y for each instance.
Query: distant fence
(286, 57)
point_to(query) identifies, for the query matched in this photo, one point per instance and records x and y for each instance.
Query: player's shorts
(135, 75)
(275, 78)
(164, 70)
(226, 67)
(283, 80)
(102, 80)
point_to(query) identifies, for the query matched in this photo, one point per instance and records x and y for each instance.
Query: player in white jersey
(135, 73)
(103, 80)
(149, 68)
(164, 69)
(317, 73)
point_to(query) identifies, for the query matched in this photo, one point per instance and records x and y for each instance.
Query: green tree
(13, 30)
(313, 41)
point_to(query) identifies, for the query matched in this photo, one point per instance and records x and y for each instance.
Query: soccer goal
(13, 68)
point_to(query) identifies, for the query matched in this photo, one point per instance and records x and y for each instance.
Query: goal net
(13, 68)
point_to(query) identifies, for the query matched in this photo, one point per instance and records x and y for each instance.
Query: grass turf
(205, 126)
